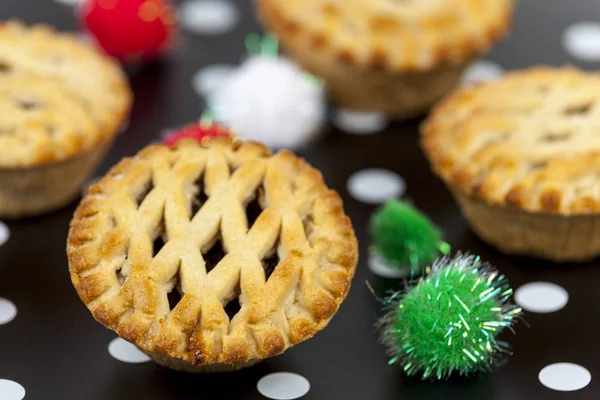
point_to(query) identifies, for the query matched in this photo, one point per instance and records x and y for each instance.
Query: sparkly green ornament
(448, 322)
(405, 237)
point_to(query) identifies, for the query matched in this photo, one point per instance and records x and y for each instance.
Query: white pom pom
(270, 100)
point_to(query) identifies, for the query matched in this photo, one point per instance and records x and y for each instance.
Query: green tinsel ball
(449, 321)
(405, 237)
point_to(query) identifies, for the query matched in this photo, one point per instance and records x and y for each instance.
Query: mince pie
(392, 56)
(212, 255)
(522, 157)
(61, 104)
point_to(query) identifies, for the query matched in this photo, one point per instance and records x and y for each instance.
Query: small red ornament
(130, 30)
(197, 131)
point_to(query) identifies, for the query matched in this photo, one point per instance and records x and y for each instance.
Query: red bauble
(197, 131)
(130, 29)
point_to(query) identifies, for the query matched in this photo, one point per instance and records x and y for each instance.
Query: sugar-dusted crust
(58, 96)
(125, 285)
(530, 141)
(408, 35)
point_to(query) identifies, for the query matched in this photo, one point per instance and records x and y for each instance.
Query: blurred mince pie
(397, 57)
(522, 157)
(61, 104)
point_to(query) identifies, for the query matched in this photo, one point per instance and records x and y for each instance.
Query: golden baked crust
(58, 96)
(530, 140)
(415, 35)
(125, 283)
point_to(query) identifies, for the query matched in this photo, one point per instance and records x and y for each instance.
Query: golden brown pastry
(212, 256)
(61, 104)
(522, 157)
(391, 56)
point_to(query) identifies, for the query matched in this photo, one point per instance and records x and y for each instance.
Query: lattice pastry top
(213, 253)
(393, 34)
(530, 140)
(58, 96)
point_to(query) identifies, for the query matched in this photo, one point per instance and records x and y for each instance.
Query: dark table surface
(56, 350)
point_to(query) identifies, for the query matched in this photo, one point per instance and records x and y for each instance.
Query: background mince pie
(61, 104)
(390, 56)
(522, 157)
(212, 256)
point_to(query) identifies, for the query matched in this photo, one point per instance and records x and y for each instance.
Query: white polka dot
(358, 122)
(8, 311)
(207, 80)
(4, 233)
(10, 390)
(582, 40)
(482, 71)
(126, 352)
(541, 297)
(375, 186)
(209, 17)
(380, 267)
(87, 184)
(69, 2)
(565, 377)
(283, 386)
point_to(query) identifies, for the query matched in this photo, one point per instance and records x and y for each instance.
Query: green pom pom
(405, 237)
(449, 321)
